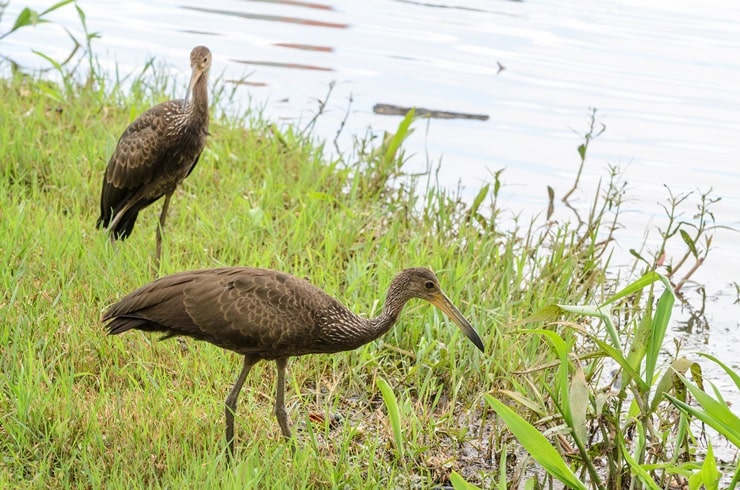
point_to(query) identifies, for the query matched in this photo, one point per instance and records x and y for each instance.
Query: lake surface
(664, 78)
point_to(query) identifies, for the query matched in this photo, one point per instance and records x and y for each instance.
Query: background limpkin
(267, 314)
(155, 153)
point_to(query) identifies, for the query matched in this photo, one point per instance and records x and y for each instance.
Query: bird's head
(200, 63)
(423, 284)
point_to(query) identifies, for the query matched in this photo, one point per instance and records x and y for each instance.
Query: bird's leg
(231, 404)
(162, 218)
(280, 413)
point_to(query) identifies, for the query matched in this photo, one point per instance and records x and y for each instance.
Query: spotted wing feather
(259, 312)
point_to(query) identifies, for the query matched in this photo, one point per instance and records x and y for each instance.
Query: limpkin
(267, 314)
(155, 153)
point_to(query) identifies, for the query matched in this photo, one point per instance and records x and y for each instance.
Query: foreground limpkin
(267, 314)
(155, 153)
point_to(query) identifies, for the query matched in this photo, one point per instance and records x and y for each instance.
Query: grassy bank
(80, 409)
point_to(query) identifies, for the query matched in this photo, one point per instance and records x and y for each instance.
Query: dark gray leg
(162, 219)
(280, 413)
(231, 404)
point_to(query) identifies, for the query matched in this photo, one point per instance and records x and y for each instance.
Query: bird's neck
(198, 103)
(350, 331)
(380, 325)
(353, 331)
(388, 316)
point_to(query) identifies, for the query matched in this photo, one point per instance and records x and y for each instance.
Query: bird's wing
(250, 311)
(135, 159)
(258, 310)
(159, 302)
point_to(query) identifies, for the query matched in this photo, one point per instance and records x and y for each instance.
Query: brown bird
(155, 153)
(267, 314)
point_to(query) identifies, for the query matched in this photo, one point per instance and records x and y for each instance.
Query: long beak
(443, 303)
(193, 78)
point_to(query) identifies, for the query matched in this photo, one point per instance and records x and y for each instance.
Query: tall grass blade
(56, 6)
(391, 404)
(635, 467)
(617, 356)
(536, 445)
(602, 312)
(732, 374)
(401, 134)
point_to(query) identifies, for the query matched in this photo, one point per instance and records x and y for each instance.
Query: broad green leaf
(689, 242)
(582, 151)
(629, 374)
(735, 478)
(640, 342)
(680, 365)
(502, 479)
(715, 414)
(596, 311)
(632, 288)
(735, 377)
(709, 476)
(523, 400)
(459, 483)
(561, 348)
(27, 17)
(561, 377)
(578, 401)
(660, 324)
(536, 445)
(547, 314)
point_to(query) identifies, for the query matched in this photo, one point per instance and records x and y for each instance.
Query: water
(664, 76)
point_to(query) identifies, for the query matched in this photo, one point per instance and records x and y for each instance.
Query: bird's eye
(429, 285)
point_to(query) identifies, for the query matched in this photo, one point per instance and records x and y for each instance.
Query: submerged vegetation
(574, 380)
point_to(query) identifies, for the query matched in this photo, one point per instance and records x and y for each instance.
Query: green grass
(79, 409)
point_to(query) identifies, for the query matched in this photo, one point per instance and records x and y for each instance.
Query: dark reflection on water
(296, 4)
(307, 47)
(695, 321)
(397, 110)
(270, 18)
(446, 6)
(280, 64)
(200, 33)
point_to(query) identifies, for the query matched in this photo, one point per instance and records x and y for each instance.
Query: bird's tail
(124, 227)
(125, 323)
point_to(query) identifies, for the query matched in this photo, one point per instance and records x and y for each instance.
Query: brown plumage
(155, 153)
(267, 314)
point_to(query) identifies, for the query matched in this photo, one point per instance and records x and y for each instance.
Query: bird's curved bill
(193, 78)
(443, 303)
